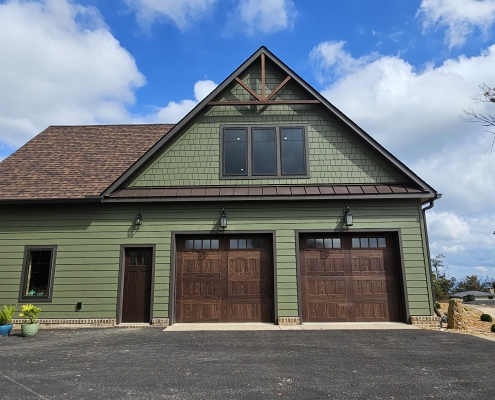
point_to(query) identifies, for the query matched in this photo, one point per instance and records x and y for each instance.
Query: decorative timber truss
(262, 99)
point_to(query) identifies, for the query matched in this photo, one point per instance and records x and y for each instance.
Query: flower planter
(29, 330)
(5, 329)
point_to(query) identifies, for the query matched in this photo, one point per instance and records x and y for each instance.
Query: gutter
(432, 201)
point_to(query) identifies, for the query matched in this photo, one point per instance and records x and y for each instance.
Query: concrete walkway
(273, 327)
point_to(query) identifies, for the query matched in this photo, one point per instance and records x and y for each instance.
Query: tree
(487, 96)
(442, 285)
(437, 262)
(475, 283)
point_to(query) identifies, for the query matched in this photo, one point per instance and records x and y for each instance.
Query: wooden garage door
(349, 278)
(224, 279)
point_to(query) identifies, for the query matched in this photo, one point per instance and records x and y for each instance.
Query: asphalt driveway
(148, 363)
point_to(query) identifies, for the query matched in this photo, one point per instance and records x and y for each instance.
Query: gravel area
(474, 325)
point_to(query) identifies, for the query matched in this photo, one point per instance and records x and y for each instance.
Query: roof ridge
(105, 125)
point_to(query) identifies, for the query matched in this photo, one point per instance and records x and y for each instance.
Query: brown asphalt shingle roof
(74, 162)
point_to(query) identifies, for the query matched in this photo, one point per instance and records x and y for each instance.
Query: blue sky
(402, 69)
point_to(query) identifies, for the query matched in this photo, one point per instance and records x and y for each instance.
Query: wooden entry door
(349, 277)
(136, 304)
(224, 279)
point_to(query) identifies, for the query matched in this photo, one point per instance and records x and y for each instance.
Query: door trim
(173, 264)
(396, 233)
(120, 289)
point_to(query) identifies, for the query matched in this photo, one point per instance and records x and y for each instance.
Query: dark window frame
(278, 145)
(25, 264)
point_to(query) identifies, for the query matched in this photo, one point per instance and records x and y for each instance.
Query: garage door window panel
(323, 243)
(368, 242)
(355, 280)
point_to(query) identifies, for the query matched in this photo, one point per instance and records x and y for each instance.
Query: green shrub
(6, 314)
(486, 318)
(437, 305)
(493, 328)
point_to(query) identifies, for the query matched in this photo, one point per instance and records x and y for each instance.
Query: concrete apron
(272, 327)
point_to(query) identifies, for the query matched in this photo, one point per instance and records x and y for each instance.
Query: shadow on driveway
(148, 363)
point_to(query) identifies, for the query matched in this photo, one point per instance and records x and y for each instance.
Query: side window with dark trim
(38, 272)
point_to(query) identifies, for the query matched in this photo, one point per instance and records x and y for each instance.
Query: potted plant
(6, 320)
(30, 312)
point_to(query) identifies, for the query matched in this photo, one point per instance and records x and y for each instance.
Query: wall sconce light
(79, 306)
(139, 219)
(223, 219)
(348, 221)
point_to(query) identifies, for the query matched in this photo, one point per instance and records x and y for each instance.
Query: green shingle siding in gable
(89, 239)
(334, 155)
(194, 158)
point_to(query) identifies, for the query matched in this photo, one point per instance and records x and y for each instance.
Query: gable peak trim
(263, 53)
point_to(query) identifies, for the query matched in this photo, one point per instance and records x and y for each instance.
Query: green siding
(89, 239)
(335, 155)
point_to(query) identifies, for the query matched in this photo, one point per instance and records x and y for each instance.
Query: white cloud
(463, 174)
(331, 58)
(467, 241)
(203, 89)
(174, 111)
(453, 229)
(264, 16)
(60, 65)
(460, 17)
(182, 12)
(412, 112)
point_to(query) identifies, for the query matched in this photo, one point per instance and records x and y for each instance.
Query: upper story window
(257, 152)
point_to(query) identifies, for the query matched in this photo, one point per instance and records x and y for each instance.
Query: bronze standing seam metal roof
(75, 162)
(266, 191)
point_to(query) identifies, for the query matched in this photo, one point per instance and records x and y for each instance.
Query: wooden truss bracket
(262, 99)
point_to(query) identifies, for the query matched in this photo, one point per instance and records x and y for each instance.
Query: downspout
(432, 201)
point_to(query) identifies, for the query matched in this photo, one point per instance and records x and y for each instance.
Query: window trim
(278, 150)
(34, 299)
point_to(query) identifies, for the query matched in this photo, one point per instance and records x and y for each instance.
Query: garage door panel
(371, 311)
(204, 312)
(201, 289)
(249, 312)
(378, 311)
(326, 287)
(361, 285)
(198, 266)
(361, 264)
(375, 286)
(324, 263)
(253, 288)
(328, 312)
(239, 279)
